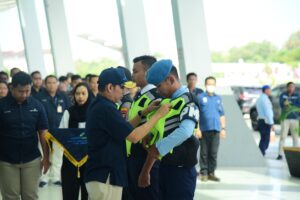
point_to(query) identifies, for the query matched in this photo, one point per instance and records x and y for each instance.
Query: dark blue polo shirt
(294, 100)
(54, 106)
(106, 133)
(211, 109)
(19, 124)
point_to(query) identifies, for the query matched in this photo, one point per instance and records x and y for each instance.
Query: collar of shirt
(103, 98)
(147, 88)
(179, 92)
(14, 101)
(206, 94)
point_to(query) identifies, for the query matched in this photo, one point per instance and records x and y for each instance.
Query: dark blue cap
(159, 71)
(111, 75)
(265, 87)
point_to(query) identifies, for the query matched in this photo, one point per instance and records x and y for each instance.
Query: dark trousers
(71, 184)
(134, 167)
(209, 146)
(177, 182)
(265, 131)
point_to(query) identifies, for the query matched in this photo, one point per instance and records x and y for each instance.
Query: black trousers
(134, 167)
(71, 184)
(264, 131)
(209, 146)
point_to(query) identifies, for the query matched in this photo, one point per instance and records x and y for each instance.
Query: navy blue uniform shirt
(211, 109)
(54, 106)
(106, 133)
(294, 100)
(19, 124)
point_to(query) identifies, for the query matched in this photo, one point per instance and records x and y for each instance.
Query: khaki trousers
(293, 126)
(103, 191)
(20, 181)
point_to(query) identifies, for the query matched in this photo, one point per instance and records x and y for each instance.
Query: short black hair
(50, 76)
(210, 78)
(62, 78)
(146, 60)
(190, 74)
(92, 76)
(75, 77)
(174, 72)
(21, 79)
(290, 83)
(4, 73)
(34, 73)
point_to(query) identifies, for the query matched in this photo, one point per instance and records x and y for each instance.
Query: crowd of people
(143, 132)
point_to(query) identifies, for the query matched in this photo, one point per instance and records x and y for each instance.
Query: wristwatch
(224, 129)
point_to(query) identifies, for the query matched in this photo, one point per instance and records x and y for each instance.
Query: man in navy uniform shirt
(107, 131)
(212, 127)
(288, 99)
(22, 123)
(55, 103)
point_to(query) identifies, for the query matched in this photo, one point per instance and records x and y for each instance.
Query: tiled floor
(271, 183)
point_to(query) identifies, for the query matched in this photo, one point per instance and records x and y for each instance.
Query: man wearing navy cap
(107, 131)
(176, 145)
(265, 118)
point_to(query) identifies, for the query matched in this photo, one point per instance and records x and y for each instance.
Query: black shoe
(57, 183)
(279, 157)
(212, 177)
(42, 184)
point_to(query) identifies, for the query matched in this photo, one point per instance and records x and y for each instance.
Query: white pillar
(59, 37)
(239, 148)
(31, 36)
(133, 29)
(1, 60)
(191, 38)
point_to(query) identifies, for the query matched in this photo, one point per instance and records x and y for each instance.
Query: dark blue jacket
(294, 100)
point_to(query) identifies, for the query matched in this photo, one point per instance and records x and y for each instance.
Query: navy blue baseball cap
(265, 87)
(115, 76)
(159, 71)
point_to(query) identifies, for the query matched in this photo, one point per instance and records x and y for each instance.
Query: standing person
(92, 80)
(75, 117)
(287, 100)
(55, 103)
(212, 127)
(107, 131)
(75, 79)
(3, 89)
(176, 145)
(37, 83)
(265, 118)
(136, 153)
(192, 79)
(22, 123)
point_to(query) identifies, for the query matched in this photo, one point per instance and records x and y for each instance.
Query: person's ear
(171, 79)
(109, 88)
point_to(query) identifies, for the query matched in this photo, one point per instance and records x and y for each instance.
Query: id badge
(59, 109)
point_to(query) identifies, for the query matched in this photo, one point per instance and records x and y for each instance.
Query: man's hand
(45, 165)
(198, 133)
(153, 106)
(273, 128)
(164, 110)
(144, 180)
(223, 134)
